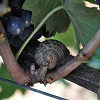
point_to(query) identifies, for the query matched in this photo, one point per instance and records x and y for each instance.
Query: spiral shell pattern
(50, 53)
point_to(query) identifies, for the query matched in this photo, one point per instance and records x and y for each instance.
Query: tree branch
(86, 77)
(86, 52)
(12, 66)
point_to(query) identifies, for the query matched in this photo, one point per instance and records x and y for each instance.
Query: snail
(38, 58)
(48, 55)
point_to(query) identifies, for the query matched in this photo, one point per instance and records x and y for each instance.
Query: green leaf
(86, 22)
(95, 60)
(59, 21)
(91, 1)
(98, 94)
(68, 38)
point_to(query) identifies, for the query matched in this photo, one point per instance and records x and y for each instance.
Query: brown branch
(86, 77)
(12, 66)
(64, 70)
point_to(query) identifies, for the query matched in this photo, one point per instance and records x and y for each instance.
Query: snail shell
(50, 53)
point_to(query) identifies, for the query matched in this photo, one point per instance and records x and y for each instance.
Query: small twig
(86, 52)
(12, 66)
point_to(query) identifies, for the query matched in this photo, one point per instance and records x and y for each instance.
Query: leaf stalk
(36, 29)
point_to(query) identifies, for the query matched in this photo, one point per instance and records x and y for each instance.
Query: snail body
(48, 55)
(41, 57)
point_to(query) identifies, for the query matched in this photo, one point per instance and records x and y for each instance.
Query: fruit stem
(36, 29)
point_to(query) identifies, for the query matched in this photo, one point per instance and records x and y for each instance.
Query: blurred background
(61, 88)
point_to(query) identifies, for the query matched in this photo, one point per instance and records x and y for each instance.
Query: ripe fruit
(16, 42)
(15, 25)
(16, 6)
(27, 31)
(26, 17)
(98, 2)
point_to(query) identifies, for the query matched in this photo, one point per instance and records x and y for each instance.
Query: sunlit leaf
(68, 38)
(86, 22)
